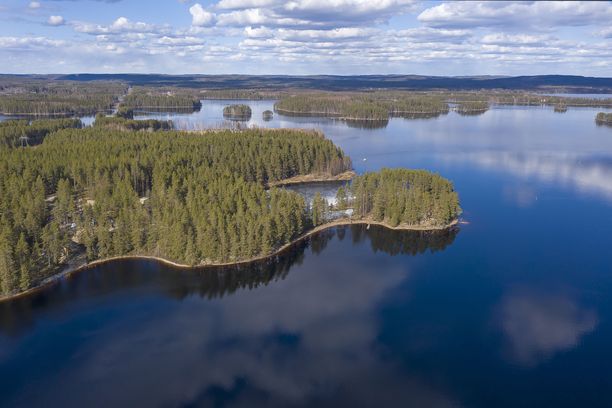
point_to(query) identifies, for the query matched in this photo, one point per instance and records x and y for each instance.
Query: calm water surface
(512, 309)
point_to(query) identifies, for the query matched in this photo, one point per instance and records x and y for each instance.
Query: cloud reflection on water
(585, 173)
(539, 325)
(308, 338)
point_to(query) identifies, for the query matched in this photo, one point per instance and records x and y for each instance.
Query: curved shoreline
(80, 267)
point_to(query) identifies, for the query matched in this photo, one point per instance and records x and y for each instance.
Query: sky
(305, 37)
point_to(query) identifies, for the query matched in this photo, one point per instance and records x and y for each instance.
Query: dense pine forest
(22, 132)
(189, 197)
(402, 197)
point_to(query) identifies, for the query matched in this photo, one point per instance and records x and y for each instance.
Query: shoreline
(313, 178)
(68, 269)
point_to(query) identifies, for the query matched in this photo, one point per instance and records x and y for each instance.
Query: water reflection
(210, 283)
(302, 338)
(539, 325)
(431, 115)
(587, 173)
(522, 195)
(367, 124)
(394, 242)
(471, 113)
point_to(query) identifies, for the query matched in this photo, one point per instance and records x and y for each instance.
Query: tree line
(188, 197)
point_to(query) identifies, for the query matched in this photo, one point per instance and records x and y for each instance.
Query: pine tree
(319, 209)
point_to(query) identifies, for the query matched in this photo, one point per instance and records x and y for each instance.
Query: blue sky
(306, 37)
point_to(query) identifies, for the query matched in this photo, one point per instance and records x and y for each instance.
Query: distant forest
(40, 98)
(541, 83)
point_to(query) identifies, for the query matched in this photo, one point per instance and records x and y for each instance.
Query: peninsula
(189, 198)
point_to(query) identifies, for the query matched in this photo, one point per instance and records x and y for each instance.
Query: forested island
(402, 197)
(377, 106)
(191, 198)
(237, 112)
(603, 118)
(267, 115)
(560, 108)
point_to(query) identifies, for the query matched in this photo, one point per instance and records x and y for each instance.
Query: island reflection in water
(211, 282)
(302, 331)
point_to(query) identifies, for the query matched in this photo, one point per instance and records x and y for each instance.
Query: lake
(512, 308)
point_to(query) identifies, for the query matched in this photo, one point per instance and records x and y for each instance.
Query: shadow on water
(207, 282)
(471, 113)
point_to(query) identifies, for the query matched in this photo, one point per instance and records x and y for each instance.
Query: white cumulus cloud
(200, 17)
(56, 20)
(539, 15)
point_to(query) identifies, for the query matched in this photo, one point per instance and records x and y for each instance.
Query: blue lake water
(514, 308)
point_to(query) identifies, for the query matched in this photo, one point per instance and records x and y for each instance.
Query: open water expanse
(512, 308)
